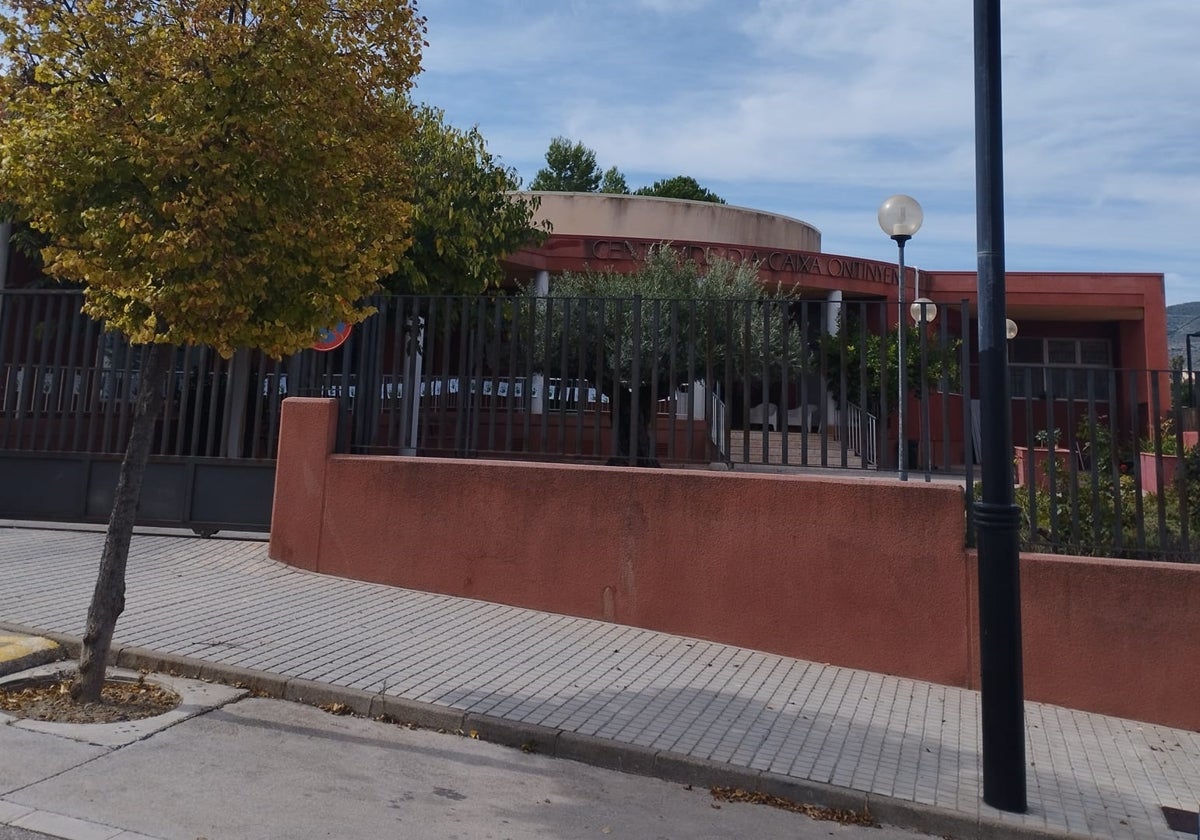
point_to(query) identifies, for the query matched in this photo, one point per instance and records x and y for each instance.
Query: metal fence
(1105, 462)
(765, 384)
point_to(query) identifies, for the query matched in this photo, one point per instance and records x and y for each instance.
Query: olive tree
(673, 322)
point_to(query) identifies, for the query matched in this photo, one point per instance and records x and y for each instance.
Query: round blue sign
(332, 338)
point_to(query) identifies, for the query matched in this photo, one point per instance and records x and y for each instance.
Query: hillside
(1183, 318)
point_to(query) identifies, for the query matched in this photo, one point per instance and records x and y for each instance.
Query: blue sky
(820, 109)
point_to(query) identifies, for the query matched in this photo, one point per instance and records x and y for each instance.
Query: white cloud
(820, 109)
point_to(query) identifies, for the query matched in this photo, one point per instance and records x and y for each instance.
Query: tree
(614, 182)
(671, 323)
(681, 186)
(222, 173)
(464, 214)
(570, 167)
(845, 349)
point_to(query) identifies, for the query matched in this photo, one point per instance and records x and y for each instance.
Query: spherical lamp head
(923, 305)
(900, 217)
(1010, 329)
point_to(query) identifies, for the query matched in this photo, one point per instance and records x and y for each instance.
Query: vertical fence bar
(1181, 468)
(127, 393)
(885, 388)
(1137, 462)
(493, 372)
(601, 378)
(617, 386)
(964, 362)
(564, 378)
(1030, 467)
(425, 387)
(26, 389)
(925, 445)
(546, 368)
(673, 382)
(805, 383)
(53, 405)
(584, 382)
(1088, 455)
(652, 406)
(218, 391)
(1052, 436)
(727, 374)
(1156, 431)
(945, 386)
(75, 381)
(442, 385)
(783, 311)
(635, 382)
(170, 407)
(764, 351)
(1114, 459)
(400, 384)
(531, 307)
(108, 387)
(7, 356)
(692, 334)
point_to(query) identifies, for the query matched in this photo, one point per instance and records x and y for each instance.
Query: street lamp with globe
(900, 217)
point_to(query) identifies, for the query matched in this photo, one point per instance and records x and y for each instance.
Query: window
(1066, 368)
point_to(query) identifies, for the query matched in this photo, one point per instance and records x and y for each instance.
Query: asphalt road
(7, 832)
(258, 769)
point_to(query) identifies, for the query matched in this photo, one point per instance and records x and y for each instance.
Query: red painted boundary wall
(861, 572)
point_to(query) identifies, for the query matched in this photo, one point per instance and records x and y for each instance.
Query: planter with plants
(1164, 451)
(1038, 458)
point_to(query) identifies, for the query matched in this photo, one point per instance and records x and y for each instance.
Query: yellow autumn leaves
(218, 173)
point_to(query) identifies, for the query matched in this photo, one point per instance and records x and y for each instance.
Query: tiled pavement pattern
(224, 601)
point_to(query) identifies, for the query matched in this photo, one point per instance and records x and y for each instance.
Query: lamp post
(997, 519)
(1190, 370)
(924, 312)
(900, 217)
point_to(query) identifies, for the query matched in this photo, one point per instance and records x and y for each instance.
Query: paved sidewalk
(616, 696)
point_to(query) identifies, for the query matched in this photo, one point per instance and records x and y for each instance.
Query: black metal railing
(1105, 462)
(772, 384)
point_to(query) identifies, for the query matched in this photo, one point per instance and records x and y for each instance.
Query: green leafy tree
(223, 173)
(465, 216)
(844, 351)
(672, 322)
(681, 186)
(614, 182)
(570, 167)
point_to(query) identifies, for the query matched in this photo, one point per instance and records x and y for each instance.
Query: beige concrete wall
(602, 216)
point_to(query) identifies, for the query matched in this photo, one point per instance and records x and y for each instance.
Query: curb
(586, 749)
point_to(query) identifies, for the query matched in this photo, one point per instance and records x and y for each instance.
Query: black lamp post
(900, 217)
(996, 517)
(924, 313)
(1190, 370)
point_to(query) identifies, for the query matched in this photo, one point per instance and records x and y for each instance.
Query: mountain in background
(1183, 318)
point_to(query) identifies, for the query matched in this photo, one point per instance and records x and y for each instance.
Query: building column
(833, 326)
(833, 311)
(541, 288)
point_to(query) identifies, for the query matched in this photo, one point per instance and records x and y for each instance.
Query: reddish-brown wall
(861, 572)
(1121, 637)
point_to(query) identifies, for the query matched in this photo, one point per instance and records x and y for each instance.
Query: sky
(821, 109)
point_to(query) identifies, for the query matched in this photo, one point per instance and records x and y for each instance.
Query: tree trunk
(108, 599)
(625, 429)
